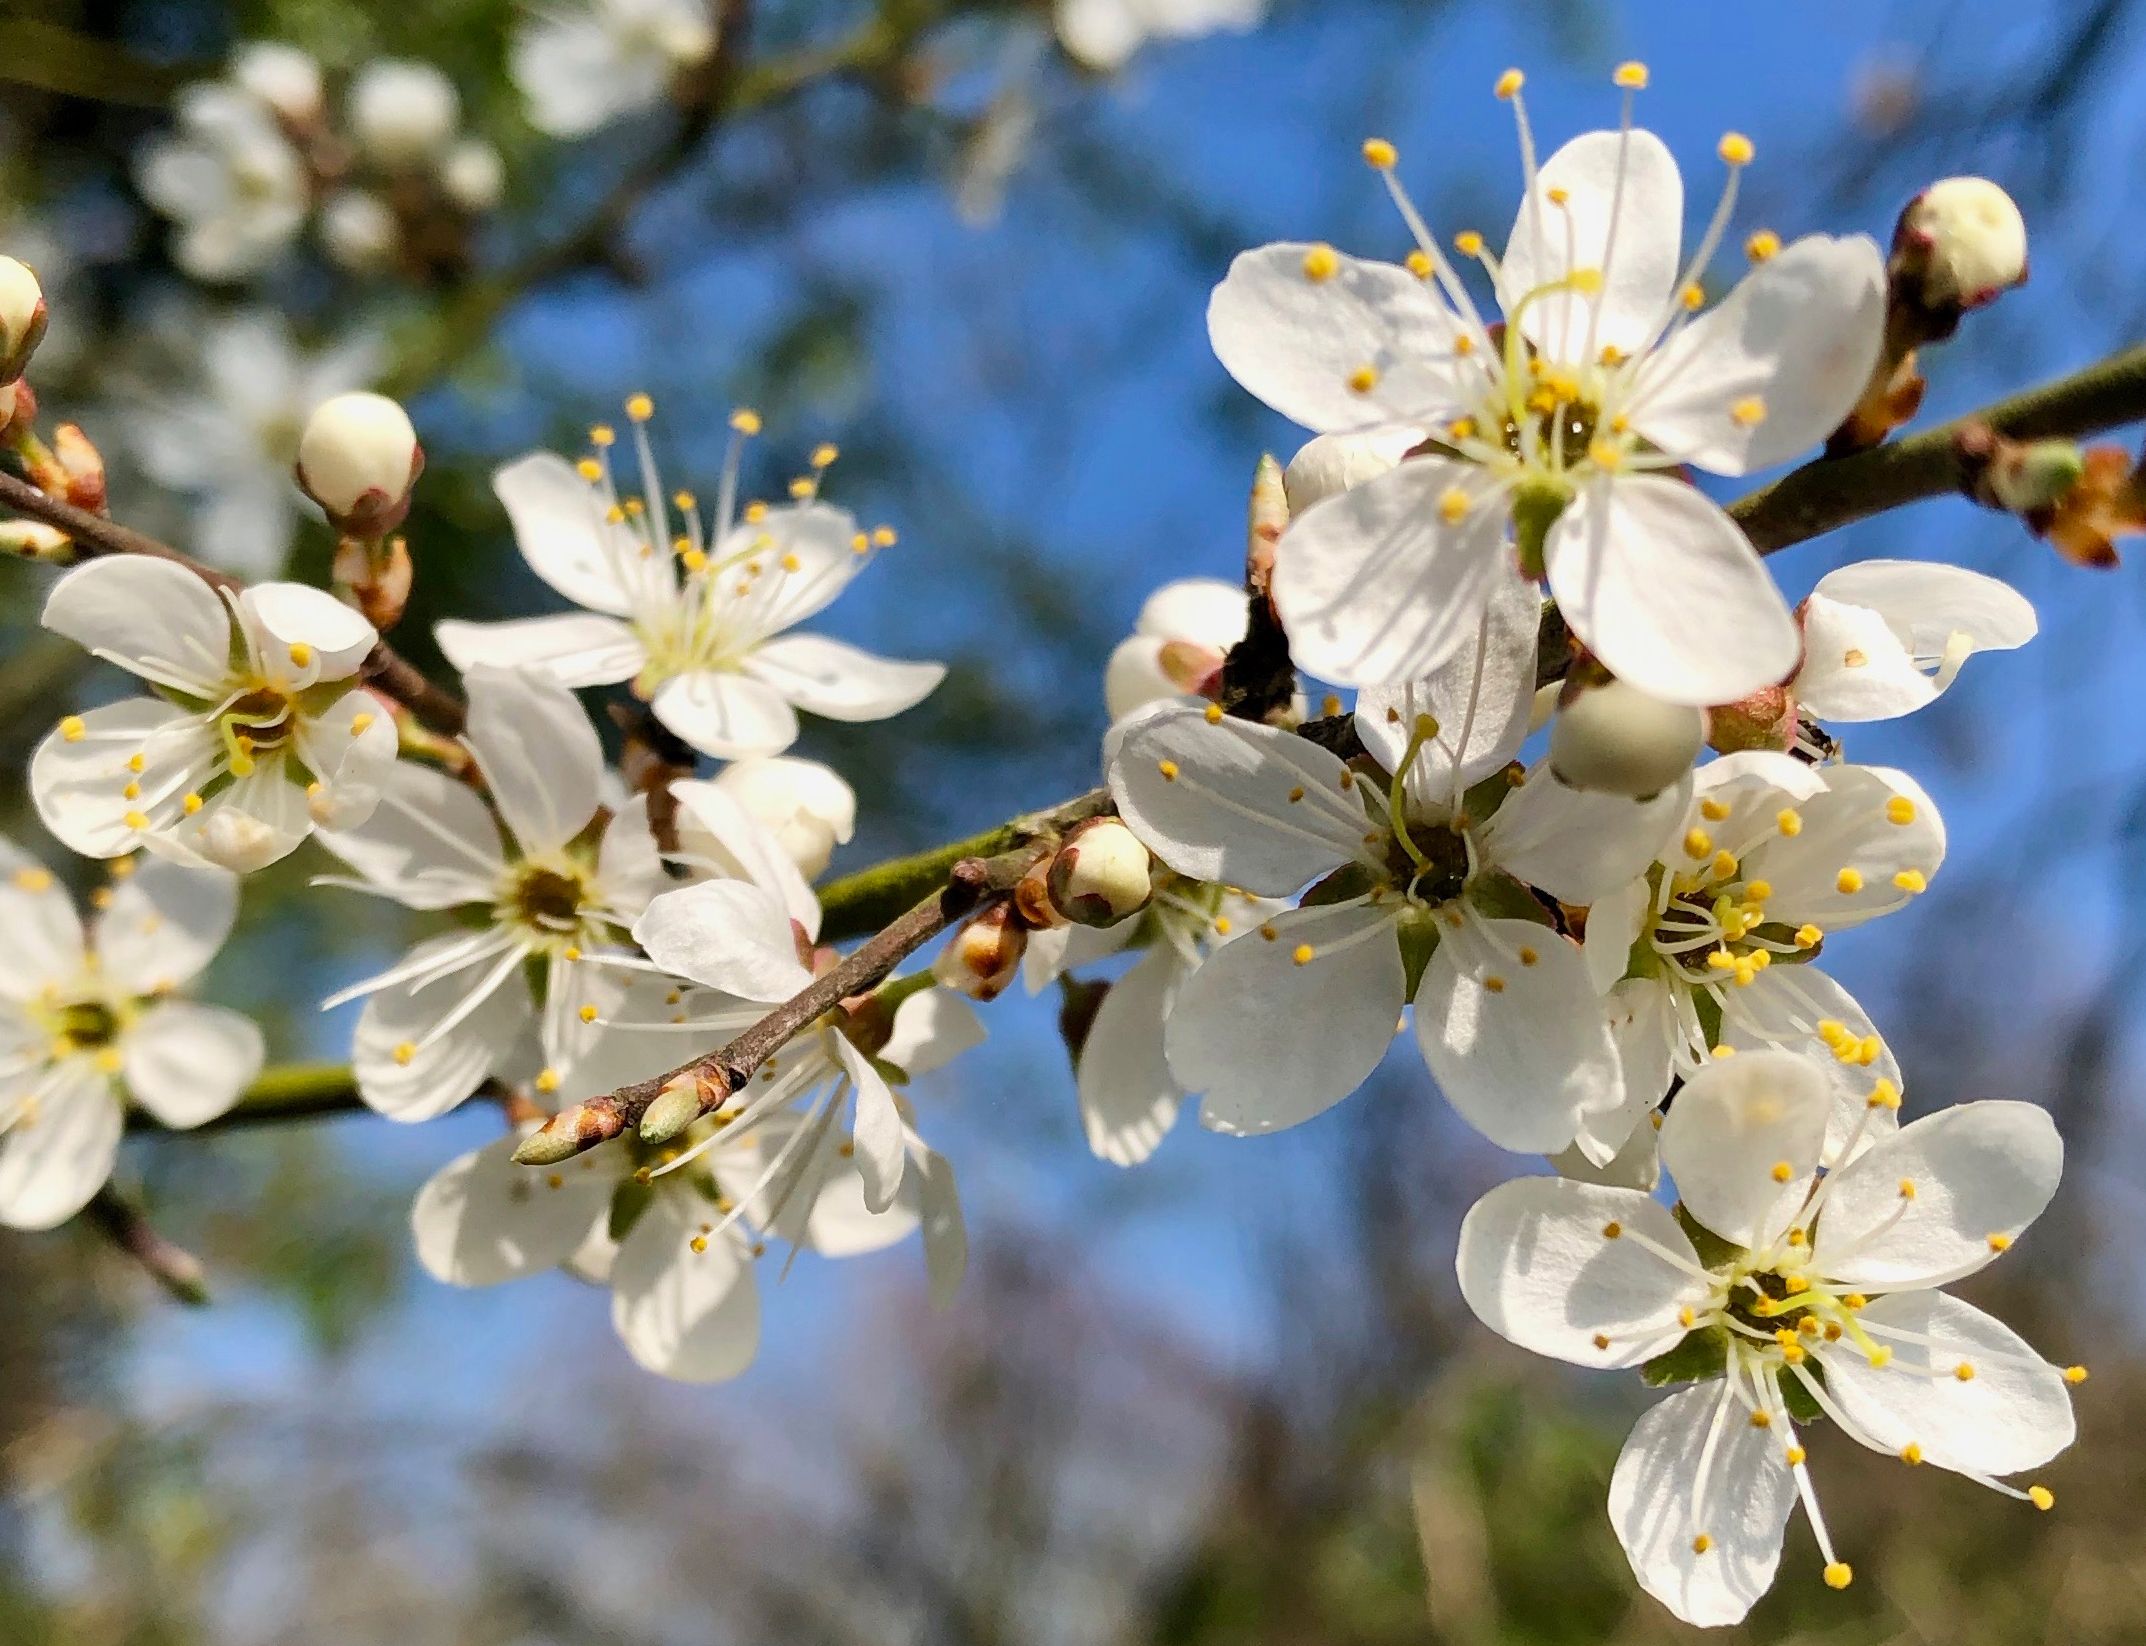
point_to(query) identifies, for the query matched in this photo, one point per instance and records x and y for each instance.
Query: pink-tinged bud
(83, 464)
(358, 459)
(984, 955)
(1101, 875)
(1764, 720)
(22, 317)
(1614, 739)
(1960, 243)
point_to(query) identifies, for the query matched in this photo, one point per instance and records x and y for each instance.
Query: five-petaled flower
(1790, 1294)
(1556, 437)
(89, 1022)
(582, 66)
(695, 620)
(258, 732)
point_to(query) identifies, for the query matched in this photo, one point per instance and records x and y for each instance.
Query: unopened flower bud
(83, 465)
(808, 807)
(1101, 875)
(358, 459)
(22, 317)
(1766, 719)
(676, 1107)
(2039, 474)
(1333, 463)
(403, 113)
(358, 230)
(473, 176)
(282, 76)
(33, 539)
(1615, 739)
(1959, 244)
(984, 955)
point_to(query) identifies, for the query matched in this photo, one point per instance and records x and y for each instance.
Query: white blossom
(583, 65)
(1420, 893)
(696, 621)
(1184, 631)
(1883, 637)
(90, 1020)
(284, 78)
(1816, 1294)
(807, 806)
(358, 230)
(257, 734)
(1558, 436)
(1772, 858)
(473, 175)
(1104, 34)
(554, 882)
(1329, 464)
(230, 181)
(403, 113)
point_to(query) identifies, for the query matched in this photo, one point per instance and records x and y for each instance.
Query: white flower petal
(280, 616)
(1981, 1173)
(837, 680)
(726, 716)
(808, 806)
(1579, 845)
(2011, 1413)
(1783, 1006)
(575, 648)
(1485, 691)
(946, 1234)
(629, 869)
(430, 844)
(79, 785)
(1203, 610)
(1551, 241)
(1519, 1046)
(258, 820)
(930, 1030)
(1796, 339)
(1695, 1467)
(1667, 591)
(559, 526)
(716, 831)
(724, 934)
(435, 1076)
(1213, 799)
(53, 1161)
(1300, 343)
(1537, 1269)
(152, 617)
(1377, 585)
(481, 1219)
(162, 925)
(810, 550)
(1743, 1139)
(187, 1063)
(1614, 923)
(1937, 615)
(1854, 666)
(1237, 1031)
(877, 1130)
(538, 753)
(351, 748)
(1869, 828)
(684, 1314)
(44, 933)
(1128, 1097)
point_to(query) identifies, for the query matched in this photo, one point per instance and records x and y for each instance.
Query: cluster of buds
(1958, 245)
(359, 460)
(70, 467)
(1099, 875)
(2080, 501)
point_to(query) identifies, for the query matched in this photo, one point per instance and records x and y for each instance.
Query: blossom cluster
(1584, 835)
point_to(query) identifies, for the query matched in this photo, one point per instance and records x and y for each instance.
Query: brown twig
(120, 1220)
(94, 535)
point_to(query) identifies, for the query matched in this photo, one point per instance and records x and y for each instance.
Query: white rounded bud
(473, 176)
(1968, 242)
(1101, 875)
(1616, 739)
(358, 230)
(282, 76)
(403, 113)
(1333, 463)
(22, 317)
(984, 956)
(1177, 647)
(358, 459)
(807, 806)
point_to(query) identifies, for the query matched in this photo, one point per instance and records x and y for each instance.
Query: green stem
(284, 1091)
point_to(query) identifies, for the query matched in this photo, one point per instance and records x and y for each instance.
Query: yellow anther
(101, 898)
(1321, 263)
(1302, 954)
(1468, 243)
(588, 1013)
(133, 791)
(861, 544)
(1884, 1095)
(683, 502)
(693, 560)
(1612, 1230)
(1736, 148)
(699, 1243)
(1795, 1456)
(135, 820)
(1605, 453)
(1380, 155)
(2042, 1498)
(1509, 83)
(34, 880)
(191, 804)
(1713, 810)
(404, 1052)
(1363, 379)
(360, 722)
(1496, 985)
(825, 453)
(1848, 882)
(1724, 865)
(1542, 401)
(1868, 1050)
(2075, 1374)
(1426, 727)
(73, 729)
(1907, 1188)
(755, 513)
(109, 1061)
(1808, 937)
(1697, 843)
(1168, 768)
(1721, 961)
(301, 654)
(1631, 76)
(615, 515)
(1964, 1372)
(1900, 809)
(745, 421)
(1796, 1286)
(1687, 1317)
(1748, 412)
(1757, 891)
(1528, 956)
(1557, 196)
(1453, 505)
(1612, 355)
(1783, 1171)
(640, 408)
(1763, 246)
(1911, 881)
(1701, 1543)
(1839, 1575)
(1268, 932)
(2000, 1242)
(1720, 1052)
(1693, 296)
(1602, 1340)
(1854, 1301)
(1347, 780)
(803, 487)
(137, 762)
(589, 469)
(1296, 793)
(1793, 1354)
(1421, 266)
(1911, 1453)
(602, 435)
(1222, 925)
(1797, 1238)
(1213, 713)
